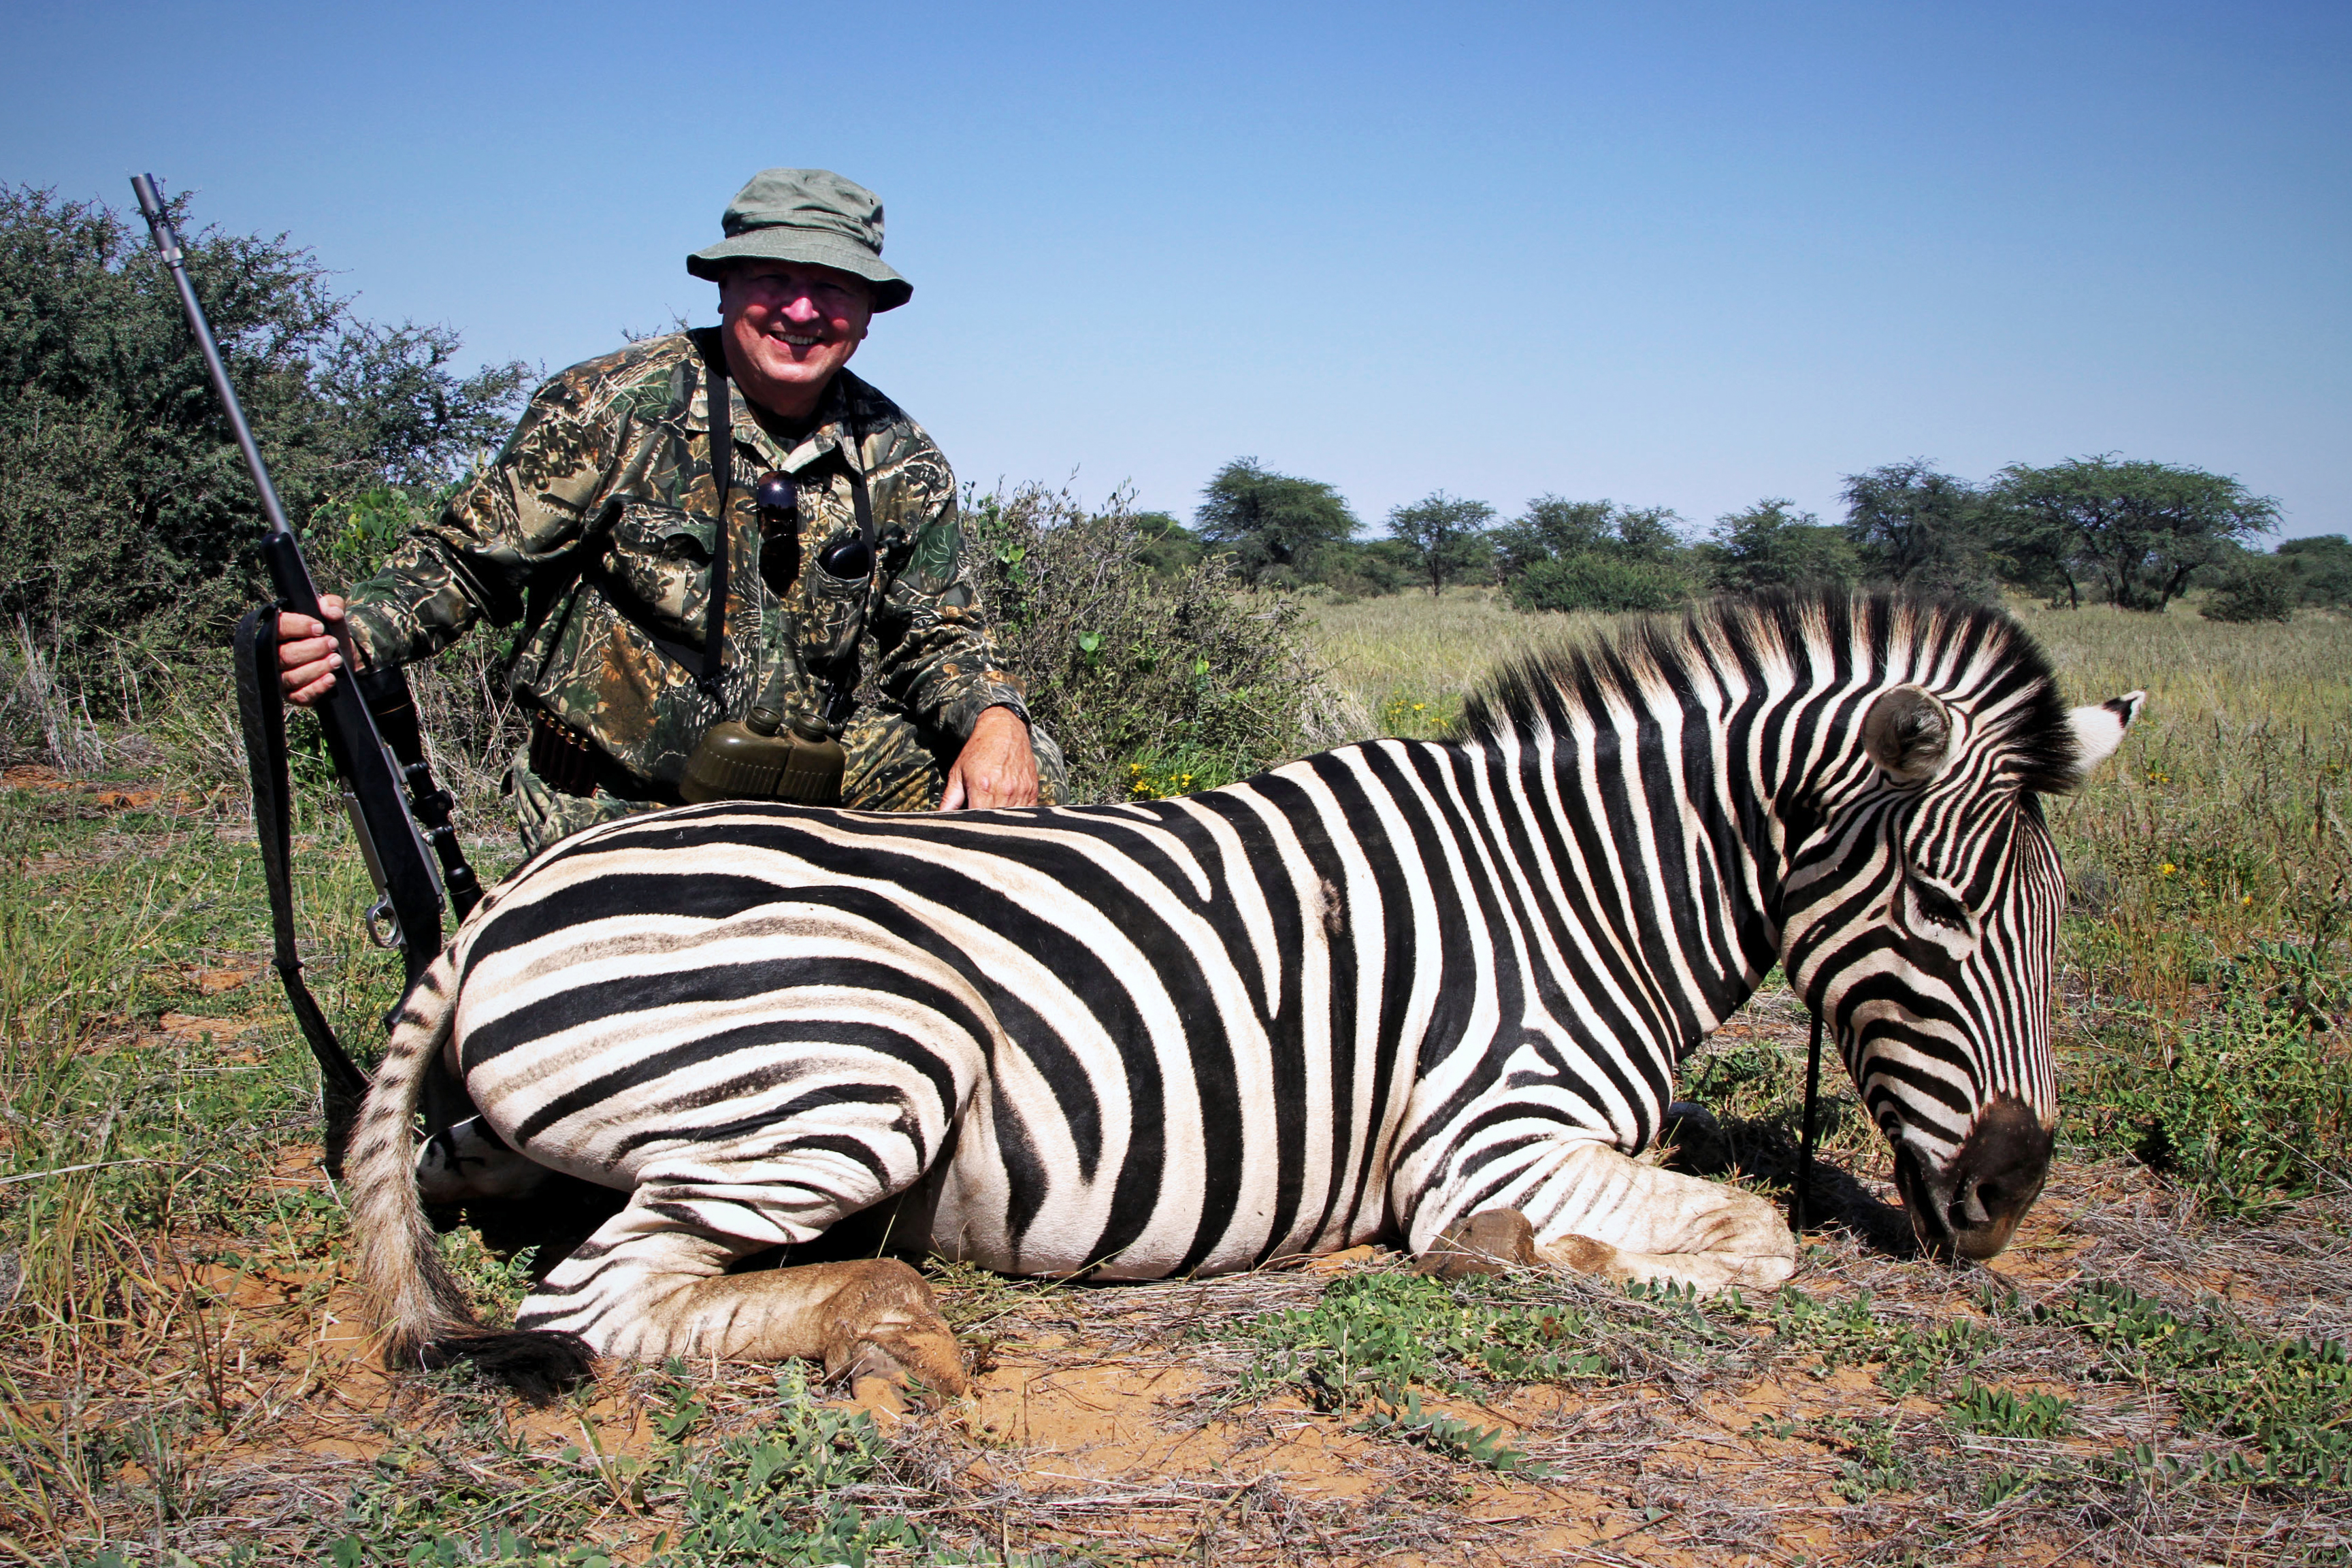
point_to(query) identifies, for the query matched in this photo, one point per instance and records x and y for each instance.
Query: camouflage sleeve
(518, 523)
(937, 659)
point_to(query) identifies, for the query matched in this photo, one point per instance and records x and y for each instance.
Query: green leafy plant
(2249, 1105)
(1444, 1433)
(1875, 1460)
(1999, 1413)
(765, 1496)
(1375, 1332)
(2289, 1399)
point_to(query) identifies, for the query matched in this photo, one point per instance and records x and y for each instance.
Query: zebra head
(1923, 909)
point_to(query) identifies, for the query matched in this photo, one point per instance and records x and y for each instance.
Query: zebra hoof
(1485, 1242)
(537, 1365)
(920, 1361)
(883, 1323)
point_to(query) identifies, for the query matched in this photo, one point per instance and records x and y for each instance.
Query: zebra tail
(410, 1297)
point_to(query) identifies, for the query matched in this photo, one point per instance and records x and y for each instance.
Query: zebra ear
(2099, 729)
(1907, 732)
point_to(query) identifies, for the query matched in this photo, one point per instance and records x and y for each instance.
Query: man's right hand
(307, 657)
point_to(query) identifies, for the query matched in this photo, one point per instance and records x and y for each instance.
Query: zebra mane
(1921, 639)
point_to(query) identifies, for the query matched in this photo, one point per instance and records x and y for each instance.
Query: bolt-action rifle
(369, 724)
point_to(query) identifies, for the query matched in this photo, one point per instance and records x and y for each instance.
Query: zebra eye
(1934, 904)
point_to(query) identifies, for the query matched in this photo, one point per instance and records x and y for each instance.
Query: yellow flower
(2167, 869)
(2246, 902)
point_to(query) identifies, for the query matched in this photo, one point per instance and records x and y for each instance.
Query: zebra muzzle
(1972, 1207)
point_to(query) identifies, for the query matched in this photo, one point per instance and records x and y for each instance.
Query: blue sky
(1674, 255)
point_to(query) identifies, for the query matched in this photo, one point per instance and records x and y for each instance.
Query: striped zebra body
(1367, 995)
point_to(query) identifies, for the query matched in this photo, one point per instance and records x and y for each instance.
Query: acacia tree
(1272, 523)
(1915, 528)
(2138, 528)
(1447, 533)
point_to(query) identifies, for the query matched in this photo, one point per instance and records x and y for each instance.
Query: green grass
(766, 1496)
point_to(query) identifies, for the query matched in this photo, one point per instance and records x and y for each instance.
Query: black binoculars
(777, 498)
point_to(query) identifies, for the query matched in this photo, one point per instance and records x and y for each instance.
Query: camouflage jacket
(593, 529)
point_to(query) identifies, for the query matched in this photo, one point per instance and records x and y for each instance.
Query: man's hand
(307, 657)
(995, 767)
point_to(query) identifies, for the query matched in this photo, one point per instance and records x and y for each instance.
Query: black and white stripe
(1367, 994)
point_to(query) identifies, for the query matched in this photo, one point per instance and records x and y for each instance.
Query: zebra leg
(652, 1283)
(1594, 1209)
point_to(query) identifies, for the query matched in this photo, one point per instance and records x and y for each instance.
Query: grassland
(2156, 1372)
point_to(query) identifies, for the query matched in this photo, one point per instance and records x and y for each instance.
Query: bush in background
(1366, 568)
(2251, 588)
(1608, 584)
(1183, 675)
(125, 511)
(1769, 546)
(2320, 568)
(1571, 555)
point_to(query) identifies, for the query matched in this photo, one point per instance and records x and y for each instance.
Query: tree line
(2131, 532)
(126, 514)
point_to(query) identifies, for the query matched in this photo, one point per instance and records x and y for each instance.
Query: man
(595, 529)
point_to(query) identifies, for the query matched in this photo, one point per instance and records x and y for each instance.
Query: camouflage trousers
(895, 765)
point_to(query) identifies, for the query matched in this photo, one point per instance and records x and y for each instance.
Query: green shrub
(1594, 581)
(2248, 1105)
(1365, 569)
(2321, 568)
(2251, 588)
(1183, 673)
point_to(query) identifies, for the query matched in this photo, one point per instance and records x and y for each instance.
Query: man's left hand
(995, 767)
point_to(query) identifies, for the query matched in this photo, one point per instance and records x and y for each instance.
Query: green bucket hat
(811, 216)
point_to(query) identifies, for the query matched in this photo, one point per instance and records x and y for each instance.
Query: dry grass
(178, 1380)
(1384, 654)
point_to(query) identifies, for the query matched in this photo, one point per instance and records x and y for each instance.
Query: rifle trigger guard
(385, 934)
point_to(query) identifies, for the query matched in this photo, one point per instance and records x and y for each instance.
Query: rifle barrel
(369, 774)
(167, 244)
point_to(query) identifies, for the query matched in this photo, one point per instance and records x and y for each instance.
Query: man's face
(791, 325)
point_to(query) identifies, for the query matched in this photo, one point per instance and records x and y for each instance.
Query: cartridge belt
(570, 763)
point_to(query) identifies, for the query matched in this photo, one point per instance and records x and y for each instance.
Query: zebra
(1434, 992)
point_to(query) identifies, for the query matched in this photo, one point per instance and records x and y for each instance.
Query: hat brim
(811, 247)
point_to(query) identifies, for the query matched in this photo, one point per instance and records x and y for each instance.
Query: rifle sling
(261, 709)
(721, 411)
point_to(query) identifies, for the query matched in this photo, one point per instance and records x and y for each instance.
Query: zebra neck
(1650, 873)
